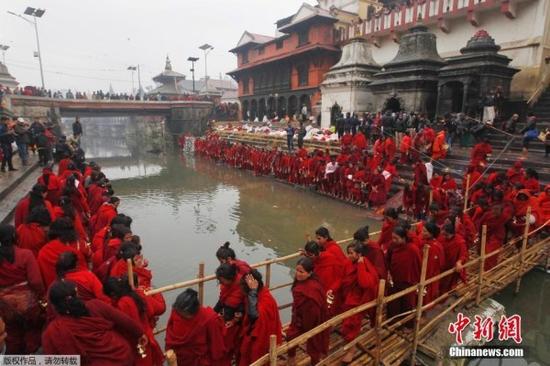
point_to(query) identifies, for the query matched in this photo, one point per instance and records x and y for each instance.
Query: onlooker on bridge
(22, 139)
(6, 139)
(77, 128)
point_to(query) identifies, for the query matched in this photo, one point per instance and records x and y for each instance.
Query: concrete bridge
(181, 116)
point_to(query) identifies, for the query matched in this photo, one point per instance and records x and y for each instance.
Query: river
(184, 208)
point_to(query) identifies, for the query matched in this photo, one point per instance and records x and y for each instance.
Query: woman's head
(354, 250)
(225, 254)
(304, 269)
(312, 249)
(430, 230)
(118, 287)
(448, 230)
(391, 213)
(40, 215)
(362, 234)
(187, 303)
(66, 262)
(121, 232)
(226, 273)
(323, 235)
(8, 238)
(257, 276)
(122, 219)
(66, 205)
(399, 235)
(128, 250)
(63, 296)
(63, 230)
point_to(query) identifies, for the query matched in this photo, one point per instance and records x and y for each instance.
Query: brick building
(278, 75)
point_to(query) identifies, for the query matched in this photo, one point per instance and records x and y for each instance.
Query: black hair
(117, 287)
(391, 213)
(362, 233)
(119, 231)
(187, 302)
(127, 250)
(7, 242)
(65, 262)
(40, 215)
(70, 187)
(434, 207)
(306, 263)
(449, 228)
(401, 232)
(225, 252)
(432, 228)
(66, 205)
(62, 295)
(227, 271)
(114, 200)
(122, 219)
(35, 195)
(531, 173)
(63, 229)
(356, 246)
(257, 276)
(498, 195)
(313, 247)
(323, 232)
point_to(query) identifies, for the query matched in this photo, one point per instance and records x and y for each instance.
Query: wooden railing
(505, 272)
(543, 84)
(513, 266)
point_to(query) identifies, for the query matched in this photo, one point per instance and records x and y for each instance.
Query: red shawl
(48, 255)
(31, 236)
(96, 338)
(197, 341)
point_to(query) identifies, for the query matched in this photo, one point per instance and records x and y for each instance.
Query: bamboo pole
(421, 287)
(467, 193)
(171, 358)
(481, 264)
(378, 320)
(130, 266)
(201, 283)
(523, 248)
(431, 198)
(272, 350)
(267, 275)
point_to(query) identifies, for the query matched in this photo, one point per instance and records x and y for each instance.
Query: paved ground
(15, 185)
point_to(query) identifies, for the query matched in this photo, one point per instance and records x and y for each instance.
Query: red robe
(359, 286)
(389, 148)
(309, 309)
(439, 150)
(436, 262)
(63, 166)
(120, 268)
(455, 250)
(127, 305)
(385, 238)
(48, 255)
(404, 264)
(232, 297)
(378, 194)
(197, 341)
(31, 236)
(375, 255)
(255, 337)
(54, 187)
(88, 285)
(97, 338)
(105, 214)
(359, 141)
(496, 233)
(21, 281)
(22, 210)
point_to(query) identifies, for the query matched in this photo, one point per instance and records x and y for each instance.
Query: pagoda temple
(168, 81)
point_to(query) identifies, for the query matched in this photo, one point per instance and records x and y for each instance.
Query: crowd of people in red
(70, 249)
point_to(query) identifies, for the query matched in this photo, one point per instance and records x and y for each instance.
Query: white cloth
(330, 168)
(429, 170)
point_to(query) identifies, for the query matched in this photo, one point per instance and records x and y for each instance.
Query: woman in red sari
(261, 319)
(104, 215)
(36, 197)
(436, 259)
(404, 264)
(359, 286)
(105, 256)
(33, 234)
(456, 255)
(88, 285)
(195, 332)
(62, 238)
(225, 254)
(99, 333)
(230, 306)
(372, 251)
(378, 194)
(67, 209)
(138, 307)
(390, 221)
(21, 288)
(309, 309)
(52, 183)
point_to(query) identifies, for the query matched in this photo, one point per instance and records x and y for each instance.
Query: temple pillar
(466, 84)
